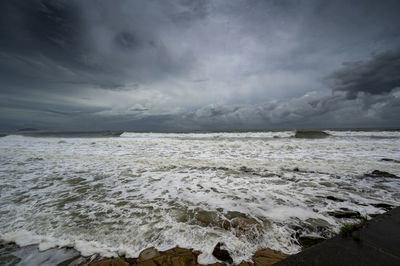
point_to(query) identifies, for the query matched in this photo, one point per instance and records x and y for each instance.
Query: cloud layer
(379, 75)
(208, 65)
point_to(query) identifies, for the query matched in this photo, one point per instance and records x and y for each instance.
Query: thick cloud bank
(379, 75)
(198, 64)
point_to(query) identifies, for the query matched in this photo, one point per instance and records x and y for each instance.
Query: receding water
(119, 195)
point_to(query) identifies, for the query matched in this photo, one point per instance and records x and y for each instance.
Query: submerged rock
(6, 254)
(222, 254)
(310, 240)
(246, 169)
(390, 160)
(311, 231)
(377, 173)
(345, 213)
(238, 222)
(206, 218)
(247, 227)
(310, 134)
(246, 224)
(335, 199)
(268, 256)
(385, 206)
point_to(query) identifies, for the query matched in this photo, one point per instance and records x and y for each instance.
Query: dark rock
(6, 254)
(226, 225)
(234, 214)
(308, 241)
(246, 169)
(345, 214)
(176, 257)
(131, 260)
(222, 254)
(242, 225)
(385, 206)
(268, 256)
(148, 253)
(311, 227)
(246, 227)
(390, 160)
(334, 199)
(310, 134)
(359, 203)
(109, 262)
(377, 173)
(205, 218)
(296, 169)
(77, 260)
(373, 215)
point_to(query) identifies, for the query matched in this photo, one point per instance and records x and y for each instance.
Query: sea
(117, 194)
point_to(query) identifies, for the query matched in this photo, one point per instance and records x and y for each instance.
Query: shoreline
(65, 256)
(311, 251)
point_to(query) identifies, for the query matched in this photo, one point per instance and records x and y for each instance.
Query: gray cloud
(86, 42)
(194, 64)
(379, 75)
(313, 110)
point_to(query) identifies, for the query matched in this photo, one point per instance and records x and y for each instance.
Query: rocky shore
(240, 224)
(373, 233)
(149, 257)
(180, 257)
(10, 253)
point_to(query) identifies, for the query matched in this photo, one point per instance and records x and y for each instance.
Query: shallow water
(119, 195)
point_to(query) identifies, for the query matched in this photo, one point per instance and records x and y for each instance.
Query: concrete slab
(378, 244)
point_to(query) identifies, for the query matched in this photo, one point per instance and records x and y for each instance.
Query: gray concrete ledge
(377, 243)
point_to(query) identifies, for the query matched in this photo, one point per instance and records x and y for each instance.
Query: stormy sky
(199, 65)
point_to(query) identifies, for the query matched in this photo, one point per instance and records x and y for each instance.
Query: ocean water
(118, 195)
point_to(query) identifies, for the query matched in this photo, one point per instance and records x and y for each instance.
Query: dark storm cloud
(38, 35)
(48, 42)
(193, 64)
(379, 75)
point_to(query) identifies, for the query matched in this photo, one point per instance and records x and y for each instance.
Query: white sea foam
(117, 196)
(378, 134)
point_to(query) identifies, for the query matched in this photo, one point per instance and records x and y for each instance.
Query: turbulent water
(119, 195)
